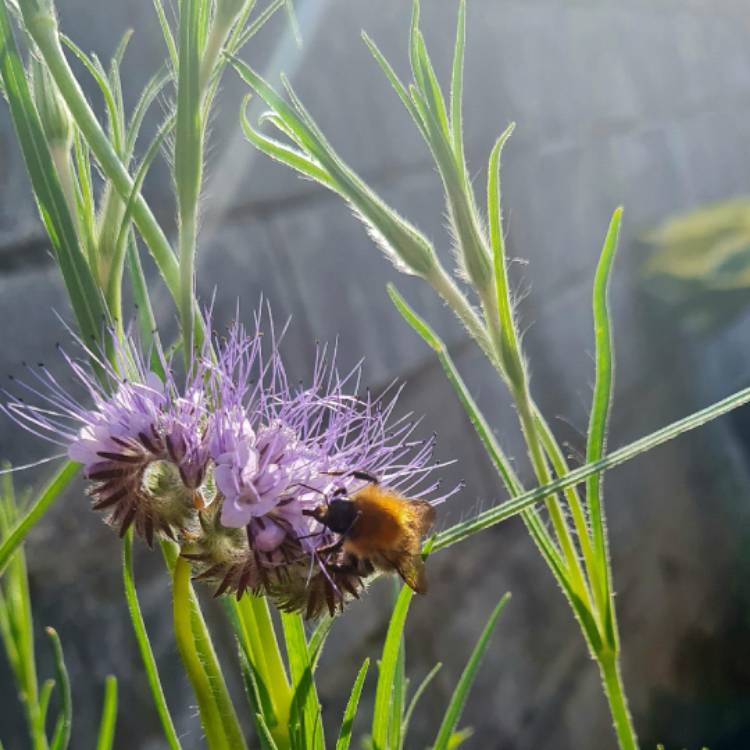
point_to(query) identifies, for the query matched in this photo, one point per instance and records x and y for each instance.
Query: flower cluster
(230, 460)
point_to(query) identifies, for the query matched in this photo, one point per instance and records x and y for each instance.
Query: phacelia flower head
(237, 464)
(279, 452)
(141, 437)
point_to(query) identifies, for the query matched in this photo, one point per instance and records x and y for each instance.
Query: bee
(378, 529)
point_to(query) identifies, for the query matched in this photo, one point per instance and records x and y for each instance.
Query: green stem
(618, 704)
(182, 612)
(446, 287)
(541, 469)
(187, 286)
(144, 645)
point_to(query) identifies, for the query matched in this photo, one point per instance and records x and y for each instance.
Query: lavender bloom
(279, 452)
(142, 443)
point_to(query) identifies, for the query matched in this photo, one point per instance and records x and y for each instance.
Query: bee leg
(363, 475)
(353, 565)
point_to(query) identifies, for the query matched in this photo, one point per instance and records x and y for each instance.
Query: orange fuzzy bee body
(380, 527)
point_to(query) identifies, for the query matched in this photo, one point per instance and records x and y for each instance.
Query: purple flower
(281, 451)
(142, 442)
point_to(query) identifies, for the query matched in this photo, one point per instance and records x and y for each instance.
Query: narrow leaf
(318, 639)
(457, 78)
(305, 706)
(398, 87)
(36, 512)
(461, 693)
(387, 671)
(345, 733)
(602, 398)
(166, 31)
(418, 693)
(109, 715)
(61, 737)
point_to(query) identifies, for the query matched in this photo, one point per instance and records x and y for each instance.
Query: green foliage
(85, 298)
(447, 730)
(95, 235)
(14, 534)
(17, 636)
(345, 733)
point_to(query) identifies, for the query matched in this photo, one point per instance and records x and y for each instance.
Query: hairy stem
(615, 691)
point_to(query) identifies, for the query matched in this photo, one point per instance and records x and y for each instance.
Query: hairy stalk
(209, 710)
(187, 244)
(615, 690)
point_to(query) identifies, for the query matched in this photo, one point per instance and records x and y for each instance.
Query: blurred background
(644, 103)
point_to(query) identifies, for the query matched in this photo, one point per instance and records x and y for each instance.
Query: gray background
(644, 103)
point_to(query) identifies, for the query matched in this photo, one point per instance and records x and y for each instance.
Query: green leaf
(166, 31)
(252, 653)
(345, 733)
(282, 153)
(293, 22)
(253, 693)
(148, 96)
(106, 736)
(318, 639)
(417, 695)
(36, 512)
(85, 297)
(602, 398)
(44, 698)
(398, 87)
(265, 734)
(97, 72)
(61, 737)
(400, 686)
(497, 240)
(241, 36)
(461, 693)
(457, 79)
(387, 672)
(305, 719)
(144, 645)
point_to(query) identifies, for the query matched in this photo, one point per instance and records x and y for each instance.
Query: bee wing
(424, 516)
(412, 569)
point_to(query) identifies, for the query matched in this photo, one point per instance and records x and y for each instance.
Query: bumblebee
(379, 529)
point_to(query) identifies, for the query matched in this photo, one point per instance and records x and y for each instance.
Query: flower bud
(52, 110)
